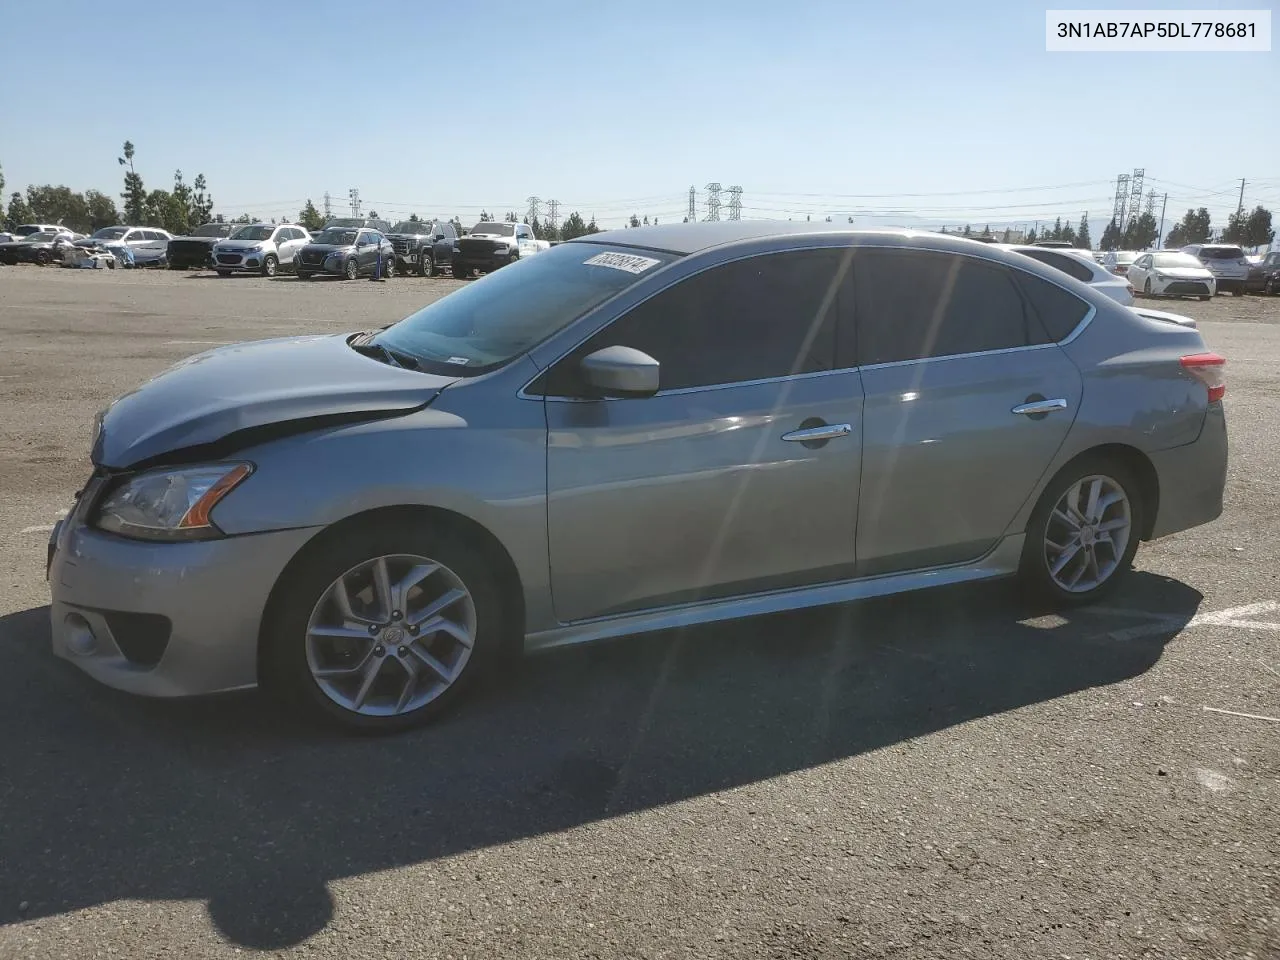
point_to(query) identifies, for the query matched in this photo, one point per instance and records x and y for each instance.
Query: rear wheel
(351, 270)
(1083, 533)
(389, 268)
(43, 258)
(383, 628)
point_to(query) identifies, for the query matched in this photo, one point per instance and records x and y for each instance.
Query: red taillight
(1208, 368)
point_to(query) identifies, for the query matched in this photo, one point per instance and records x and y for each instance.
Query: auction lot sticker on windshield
(629, 262)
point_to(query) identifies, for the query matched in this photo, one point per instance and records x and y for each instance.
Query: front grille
(314, 259)
(229, 258)
(1187, 286)
(403, 245)
(141, 637)
(476, 248)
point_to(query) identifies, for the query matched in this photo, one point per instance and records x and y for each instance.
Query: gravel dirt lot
(937, 776)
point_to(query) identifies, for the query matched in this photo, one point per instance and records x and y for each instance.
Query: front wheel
(1083, 533)
(269, 265)
(383, 628)
(43, 258)
(350, 270)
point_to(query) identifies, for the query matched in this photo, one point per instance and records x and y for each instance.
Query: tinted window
(763, 317)
(913, 305)
(1066, 264)
(1057, 311)
(1221, 253)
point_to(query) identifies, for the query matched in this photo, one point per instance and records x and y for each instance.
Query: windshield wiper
(394, 358)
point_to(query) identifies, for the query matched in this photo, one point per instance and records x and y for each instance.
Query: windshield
(111, 233)
(344, 222)
(493, 320)
(412, 226)
(211, 230)
(256, 232)
(498, 229)
(1221, 253)
(337, 236)
(1125, 256)
(1174, 260)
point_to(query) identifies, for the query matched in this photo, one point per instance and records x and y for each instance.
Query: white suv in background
(1227, 263)
(146, 242)
(259, 247)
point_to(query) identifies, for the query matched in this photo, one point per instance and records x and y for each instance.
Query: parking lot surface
(940, 775)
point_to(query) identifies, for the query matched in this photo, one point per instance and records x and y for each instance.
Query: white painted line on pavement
(215, 343)
(1159, 623)
(1237, 713)
(41, 528)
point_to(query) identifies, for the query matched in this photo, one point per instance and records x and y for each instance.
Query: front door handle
(827, 431)
(1040, 407)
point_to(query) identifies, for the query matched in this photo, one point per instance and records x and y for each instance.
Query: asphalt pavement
(951, 774)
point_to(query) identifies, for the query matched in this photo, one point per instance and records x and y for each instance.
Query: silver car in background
(1081, 265)
(633, 431)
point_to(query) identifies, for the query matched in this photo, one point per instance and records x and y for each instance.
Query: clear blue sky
(615, 108)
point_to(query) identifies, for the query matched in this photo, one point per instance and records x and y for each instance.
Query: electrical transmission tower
(1150, 208)
(1122, 198)
(735, 203)
(553, 213)
(535, 208)
(326, 205)
(713, 201)
(1135, 194)
(693, 205)
(355, 201)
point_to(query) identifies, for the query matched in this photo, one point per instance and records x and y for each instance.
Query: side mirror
(620, 372)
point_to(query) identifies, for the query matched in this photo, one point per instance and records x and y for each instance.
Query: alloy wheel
(1087, 534)
(391, 635)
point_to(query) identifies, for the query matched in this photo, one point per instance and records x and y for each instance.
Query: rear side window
(913, 305)
(1068, 265)
(1057, 311)
(754, 319)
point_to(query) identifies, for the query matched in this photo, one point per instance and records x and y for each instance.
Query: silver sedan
(628, 433)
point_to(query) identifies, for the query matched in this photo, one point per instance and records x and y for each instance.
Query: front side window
(759, 318)
(914, 305)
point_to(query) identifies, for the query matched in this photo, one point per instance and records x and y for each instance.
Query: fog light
(80, 638)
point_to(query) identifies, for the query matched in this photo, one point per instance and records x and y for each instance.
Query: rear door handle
(828, 431)
(1039, 407)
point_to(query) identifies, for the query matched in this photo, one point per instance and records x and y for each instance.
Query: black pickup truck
(423, 245)
(195, 250)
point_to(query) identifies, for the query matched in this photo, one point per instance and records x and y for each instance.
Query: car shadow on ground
(227, 800)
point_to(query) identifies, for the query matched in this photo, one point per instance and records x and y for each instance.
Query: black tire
(304, 274)
(269, 265)
(174, 266)
(461, 272)
(1034, 567)
(1146, 288)
(224, 273)
(351, 269)
(1202, 299)
(285, 671)
(43, 258)
(1237, 293)
(389, 269)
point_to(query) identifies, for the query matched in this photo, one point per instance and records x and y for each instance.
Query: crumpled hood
(205, 398)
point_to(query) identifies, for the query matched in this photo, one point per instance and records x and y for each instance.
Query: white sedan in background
(1167, 273)
(1081, 265)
